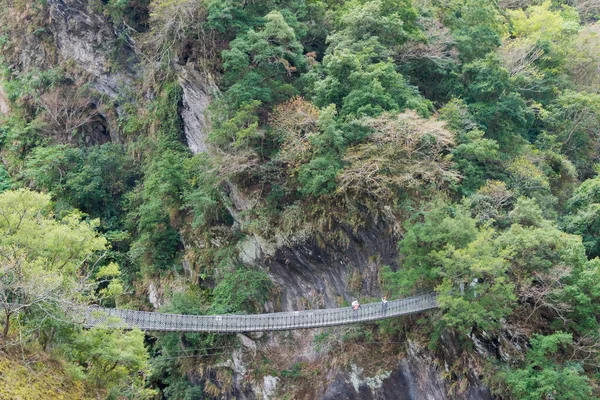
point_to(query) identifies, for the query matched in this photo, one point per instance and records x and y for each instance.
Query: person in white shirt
(355, 307)
(384, 304)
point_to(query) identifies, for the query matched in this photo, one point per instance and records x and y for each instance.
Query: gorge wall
(308, 274)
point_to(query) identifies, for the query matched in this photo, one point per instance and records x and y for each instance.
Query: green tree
(5, 180)
(543, 376)
(535, 52)
(479, 273)
(583, 294)
(447, 251)
(584, 215)
(114, 361)
(549, 268)
(49, 268)
(92, 180)
(46, 168)
(260, 65)
(477, 27)
(359, 75)
(573, 119)
(158, 240)
(426, 233)
(241, 290)
(239, 130)
(317, 176)
(475, 290)
(43, 257)
(477, 158)
(493, 103)
(155, 205)
(540, 22)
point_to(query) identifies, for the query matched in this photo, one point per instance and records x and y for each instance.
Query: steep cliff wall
(312, 275)
(415, 377)
(290, 365)
(308, 272)
(87, 37)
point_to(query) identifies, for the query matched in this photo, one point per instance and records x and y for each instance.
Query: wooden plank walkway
(153, 321)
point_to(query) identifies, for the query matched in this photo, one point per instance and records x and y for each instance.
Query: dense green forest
(468, 129)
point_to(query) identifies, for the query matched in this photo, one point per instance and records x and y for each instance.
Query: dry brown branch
(19, 289)
(404, 153)
(491, 201)
(519, 57)
(544, 293)
(66, 112)
(178, 31)
(498, 192)
(295, 121)
(586, 350)
(171, 21)
(586, 8)
(235, 163)
(439, 46)
(583, 60)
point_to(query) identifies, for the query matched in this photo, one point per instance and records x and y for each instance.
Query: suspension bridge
(153, 321)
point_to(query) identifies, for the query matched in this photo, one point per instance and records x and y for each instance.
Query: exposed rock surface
(198, 90)
(311, 276)
(33, 53)
(155, 295)
(87, 38)
(269, 387)
(414, 377)
(4, 106)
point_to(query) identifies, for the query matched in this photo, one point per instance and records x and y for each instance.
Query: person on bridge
(355, 307)
(384, 304)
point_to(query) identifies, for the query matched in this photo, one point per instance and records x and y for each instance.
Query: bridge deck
(152, 321)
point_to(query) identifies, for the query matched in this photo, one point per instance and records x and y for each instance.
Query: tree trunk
(6, 324)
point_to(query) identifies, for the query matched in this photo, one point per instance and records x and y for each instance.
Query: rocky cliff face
(313, 274)
(416, 377)
(87, 38)
(369, 374)
(309, 274)
(198, 90)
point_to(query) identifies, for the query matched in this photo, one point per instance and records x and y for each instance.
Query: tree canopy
(460, 136)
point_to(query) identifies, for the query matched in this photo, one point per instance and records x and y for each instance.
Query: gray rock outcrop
(416, 377)
(198, 90)
(4, 106)
(313, 275)
(88, 38)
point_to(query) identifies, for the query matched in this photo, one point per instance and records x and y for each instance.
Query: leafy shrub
(241, 290)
